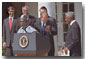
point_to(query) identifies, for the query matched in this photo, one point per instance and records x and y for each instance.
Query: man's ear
(8, 12)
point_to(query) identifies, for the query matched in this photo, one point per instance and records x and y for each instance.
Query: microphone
(24, 28)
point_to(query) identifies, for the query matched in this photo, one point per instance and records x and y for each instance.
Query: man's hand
(4, 44)
(64, 48)
(47, 29)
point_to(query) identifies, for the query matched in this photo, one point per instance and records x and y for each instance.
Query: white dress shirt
(72, 22)
(12, 18)
(42, 23)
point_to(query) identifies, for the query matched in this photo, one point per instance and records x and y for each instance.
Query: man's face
(42, 10)
(25, 11)
(22, 22)
(67, 19)
(11, 12)
(44, 18)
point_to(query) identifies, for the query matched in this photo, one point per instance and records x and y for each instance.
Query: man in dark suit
(44, 9)
(73, 37)
(30, 19)
(9, 27)
(46, 27)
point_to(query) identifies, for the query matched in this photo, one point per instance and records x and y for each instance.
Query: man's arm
(4, 35)
(54, 27)
(75, 39)
(4, 32)
(37, 25)
(16, 25)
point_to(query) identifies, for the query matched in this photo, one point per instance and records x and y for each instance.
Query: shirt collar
(72, 22)
(11, 17)
(42, 23)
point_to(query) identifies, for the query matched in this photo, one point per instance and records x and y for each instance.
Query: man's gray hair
(25, 7)
(43, 13)
(70, 14)
(23, 17)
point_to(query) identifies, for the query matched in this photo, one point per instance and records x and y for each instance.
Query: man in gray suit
(9, 27)
(46, 27)
(73, 37)
(30, 19)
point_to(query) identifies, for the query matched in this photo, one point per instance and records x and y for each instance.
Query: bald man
(22, 22)
(73, 37)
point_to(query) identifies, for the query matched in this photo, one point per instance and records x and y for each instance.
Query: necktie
(10, 23)
(43, 29)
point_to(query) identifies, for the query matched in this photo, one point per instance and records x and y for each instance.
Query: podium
(30, 44)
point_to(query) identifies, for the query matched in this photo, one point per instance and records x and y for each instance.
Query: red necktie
(10, 23)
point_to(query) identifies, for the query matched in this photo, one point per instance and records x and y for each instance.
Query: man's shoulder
(32, 17)
(6, 19)
(50, 17)
(38, 20)
(75, 23)
(15, 19)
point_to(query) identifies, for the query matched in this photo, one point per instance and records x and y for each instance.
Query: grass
(3, 51)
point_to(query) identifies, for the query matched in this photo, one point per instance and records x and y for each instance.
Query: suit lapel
(48, 23)
(29, 20)
(70, 26)
(12, 25)
(39, 25)
(8, 24)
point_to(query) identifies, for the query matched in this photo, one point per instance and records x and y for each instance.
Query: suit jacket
(73, 39)
(31, 20)
(51, 19)
(37, 25)
(7, 34)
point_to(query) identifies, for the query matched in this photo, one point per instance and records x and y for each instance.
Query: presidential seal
(23, 41)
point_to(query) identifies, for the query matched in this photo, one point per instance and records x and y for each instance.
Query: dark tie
(10, 23)
(43, 29)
